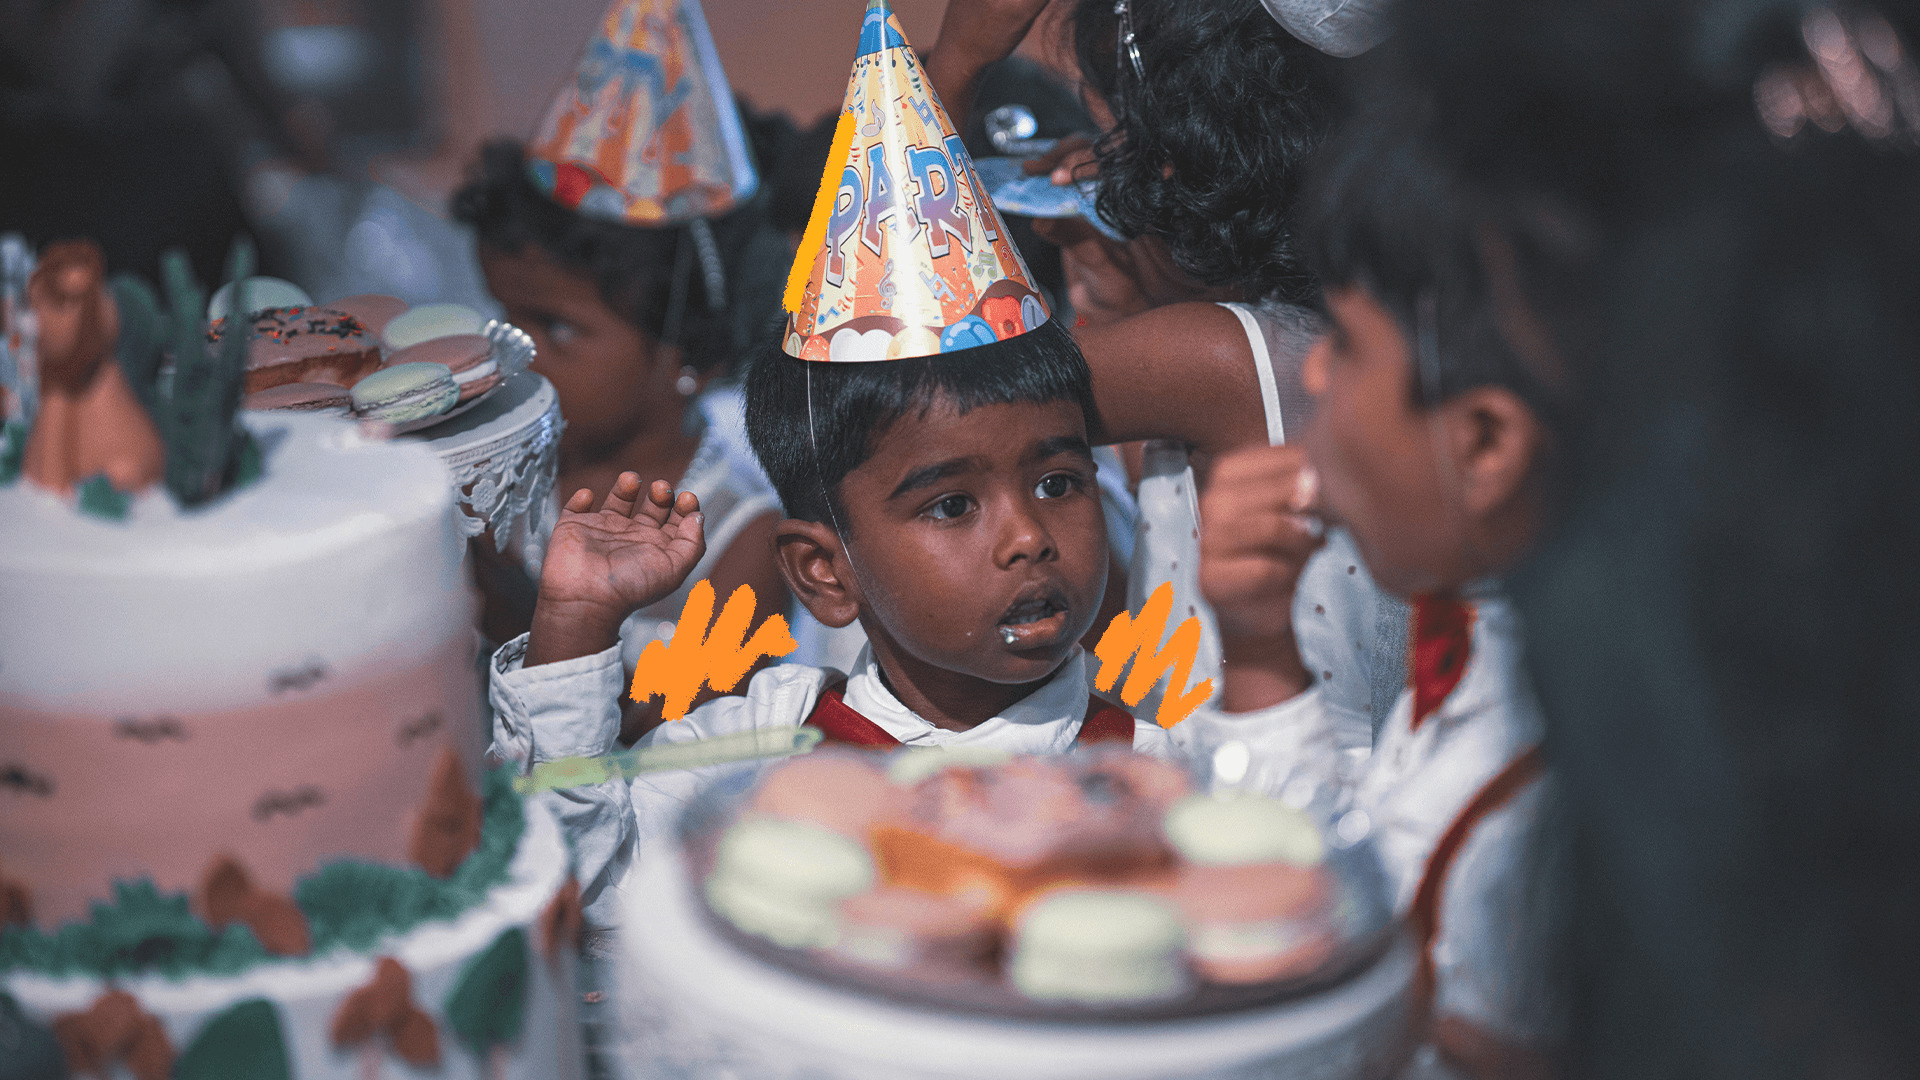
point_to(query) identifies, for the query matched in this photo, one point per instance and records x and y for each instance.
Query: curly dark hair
(635, 267)
(1209, 150)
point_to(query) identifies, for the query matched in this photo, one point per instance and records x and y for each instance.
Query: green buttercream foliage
(244, 1041)
(140, 930)
(488, 1005)
(97, 497)
(13, 449)
(27, 1050)
(143, 338)
(348, 905)
(356, 903)
(197, 420)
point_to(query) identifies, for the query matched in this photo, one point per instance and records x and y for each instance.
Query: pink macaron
(1256, 922)
(839, 790)
(899, 929)
(468, 356)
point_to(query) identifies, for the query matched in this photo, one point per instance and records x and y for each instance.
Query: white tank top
(1352, 637)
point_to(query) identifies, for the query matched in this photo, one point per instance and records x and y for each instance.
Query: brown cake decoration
(115, 1031)
(560, 920)
(16, 901)
(385, 1006)
(228, 895)
(448, 828)
(89, 422)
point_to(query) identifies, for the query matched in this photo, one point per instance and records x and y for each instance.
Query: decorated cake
(303, 344)
(245, 827)
(1093, 914)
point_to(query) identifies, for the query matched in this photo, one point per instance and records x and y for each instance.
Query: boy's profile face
(1434, 497)
(614, 380)
(965, 530)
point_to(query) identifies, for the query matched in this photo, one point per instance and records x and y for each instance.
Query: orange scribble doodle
(718, 657)
(1134, 637)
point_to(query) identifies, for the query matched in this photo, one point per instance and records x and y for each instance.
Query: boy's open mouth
(1034, 621)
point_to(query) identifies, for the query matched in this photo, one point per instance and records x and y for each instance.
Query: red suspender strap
(1105, 723)
(845, 727)
(1498, 792)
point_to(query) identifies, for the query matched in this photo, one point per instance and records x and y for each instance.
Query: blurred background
(333, 130)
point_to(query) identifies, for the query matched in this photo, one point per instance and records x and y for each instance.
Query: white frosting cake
(282, 681)
(343, 552)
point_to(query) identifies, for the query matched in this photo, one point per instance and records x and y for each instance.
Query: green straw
(775, 742)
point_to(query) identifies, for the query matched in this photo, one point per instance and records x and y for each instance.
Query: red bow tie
(1442, 642)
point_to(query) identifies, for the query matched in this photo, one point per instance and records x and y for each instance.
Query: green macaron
(405, 392)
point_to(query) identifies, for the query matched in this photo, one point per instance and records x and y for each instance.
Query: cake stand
(504, 456)
(692, 1005)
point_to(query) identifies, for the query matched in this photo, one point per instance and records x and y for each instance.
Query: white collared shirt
(1498, 909)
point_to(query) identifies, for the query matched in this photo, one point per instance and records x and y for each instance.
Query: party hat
(904, 255)
(646, 132)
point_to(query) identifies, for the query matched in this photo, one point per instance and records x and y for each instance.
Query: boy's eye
(951, 507)
(1055, 486)
(561, 331)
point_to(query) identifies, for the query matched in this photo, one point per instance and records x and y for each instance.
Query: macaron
(262, 293)
(1256, 923)
(468, 356)
(429, 321)
(1161, 783)
(1234, 830)
(838, 790)
(1099, 946)
(896, 929)
(372, 309)
(784, 880)
(405, 392)
(324, 398)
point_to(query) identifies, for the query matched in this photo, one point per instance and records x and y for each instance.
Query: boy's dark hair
(635, 267)
(812, 423)
(1380, 213)
(1211, 136)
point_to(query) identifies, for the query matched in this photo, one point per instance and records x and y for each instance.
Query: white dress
(1352, 636)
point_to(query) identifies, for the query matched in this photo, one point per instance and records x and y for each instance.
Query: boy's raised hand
(604, 564)
(1257, 532)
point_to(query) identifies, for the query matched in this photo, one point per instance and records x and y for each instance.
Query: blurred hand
(602, 565)
(1070, 160)
(973, 34)
(1257, 532)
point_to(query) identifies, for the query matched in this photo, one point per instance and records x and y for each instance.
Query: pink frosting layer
(330, 767)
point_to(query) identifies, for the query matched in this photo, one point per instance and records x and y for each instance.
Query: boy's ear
(814, 562)
(1497, 444)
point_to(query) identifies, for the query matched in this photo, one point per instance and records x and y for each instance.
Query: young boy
(929, 442)
(1428, 445)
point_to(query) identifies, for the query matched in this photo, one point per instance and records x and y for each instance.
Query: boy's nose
(1024, 536)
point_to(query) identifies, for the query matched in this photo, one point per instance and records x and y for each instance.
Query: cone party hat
(904, 255)
(646, 132)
